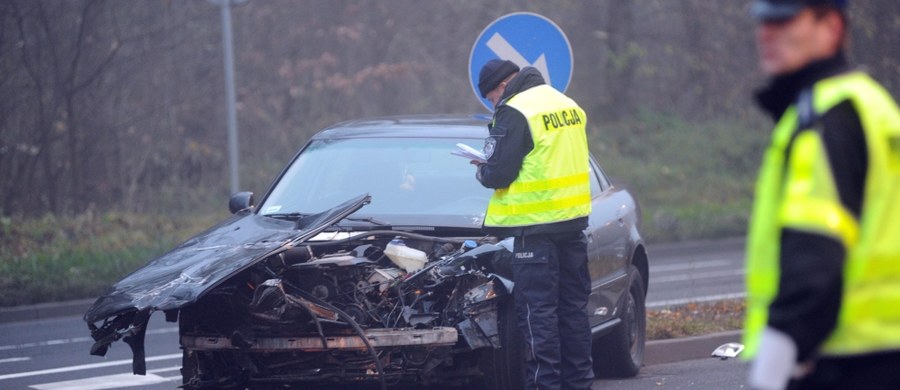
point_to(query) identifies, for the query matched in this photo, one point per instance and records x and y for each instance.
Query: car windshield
(411, 181)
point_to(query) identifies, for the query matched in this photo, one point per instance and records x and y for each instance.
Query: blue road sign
(527, 39)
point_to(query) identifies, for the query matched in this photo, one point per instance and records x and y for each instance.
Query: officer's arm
(512, 142)
(809, 292)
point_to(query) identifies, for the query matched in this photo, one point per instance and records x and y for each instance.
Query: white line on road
(15, 359)
(105, 382)
(166, 369)
(86, 366)
(707, 298)
(689, 266)
(74, 340)
(112, 381)
(696, 276)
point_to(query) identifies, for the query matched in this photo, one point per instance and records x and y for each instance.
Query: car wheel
(620, 353)
(504, 367)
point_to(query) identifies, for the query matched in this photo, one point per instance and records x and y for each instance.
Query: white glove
(775, 362)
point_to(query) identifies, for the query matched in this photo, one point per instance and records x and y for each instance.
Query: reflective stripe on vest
(554, 182)
(796, 190)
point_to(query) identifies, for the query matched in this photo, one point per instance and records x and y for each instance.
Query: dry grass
(695, 319)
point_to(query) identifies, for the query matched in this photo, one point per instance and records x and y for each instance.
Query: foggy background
(119, 105)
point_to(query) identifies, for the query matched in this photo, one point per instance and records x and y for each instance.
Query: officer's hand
(775, 362)
(477, 170)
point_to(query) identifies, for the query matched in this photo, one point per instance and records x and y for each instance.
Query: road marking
(105, 382)
(75, 340)
(696, 276)
(690, 266)
(86, 366)
(166, 369)
(15, 359)
(707, 298)
(501, 47)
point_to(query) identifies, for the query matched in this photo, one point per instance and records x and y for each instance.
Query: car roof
(413, 126)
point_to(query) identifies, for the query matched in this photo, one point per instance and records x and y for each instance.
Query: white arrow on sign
(501, 47)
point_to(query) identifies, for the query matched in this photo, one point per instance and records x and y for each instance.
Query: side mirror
(241, 201)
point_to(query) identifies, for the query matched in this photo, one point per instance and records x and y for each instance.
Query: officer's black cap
(771, 10)
(493, 73)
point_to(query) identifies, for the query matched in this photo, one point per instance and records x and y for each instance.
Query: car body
(310, 286)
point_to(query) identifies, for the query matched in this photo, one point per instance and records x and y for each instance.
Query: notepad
(469, 152)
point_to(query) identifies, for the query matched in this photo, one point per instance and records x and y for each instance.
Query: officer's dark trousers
(551, 294)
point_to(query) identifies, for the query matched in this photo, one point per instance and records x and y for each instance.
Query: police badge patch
(490, 143)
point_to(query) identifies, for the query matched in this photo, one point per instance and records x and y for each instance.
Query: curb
(44, 310)
(686, 348)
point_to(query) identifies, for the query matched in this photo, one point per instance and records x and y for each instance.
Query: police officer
(538, 164)
(823, 257)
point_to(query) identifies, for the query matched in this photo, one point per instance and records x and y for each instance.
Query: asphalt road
(52, 354)
(710, 373)
(703, 271)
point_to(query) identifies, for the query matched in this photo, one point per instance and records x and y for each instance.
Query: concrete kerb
(686, 348)
(44, 310)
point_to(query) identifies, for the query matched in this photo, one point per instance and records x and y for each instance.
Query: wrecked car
(365, 263)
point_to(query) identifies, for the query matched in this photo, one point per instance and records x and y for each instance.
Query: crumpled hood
(184, 274)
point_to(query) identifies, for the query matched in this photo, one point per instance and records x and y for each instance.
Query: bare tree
(119, 103)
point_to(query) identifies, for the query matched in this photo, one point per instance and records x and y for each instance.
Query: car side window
(599, 181)
(596, 186)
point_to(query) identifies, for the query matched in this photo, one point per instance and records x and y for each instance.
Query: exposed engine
(351, 309)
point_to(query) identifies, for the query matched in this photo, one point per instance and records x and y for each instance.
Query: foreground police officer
(823, 259)
(538, 163)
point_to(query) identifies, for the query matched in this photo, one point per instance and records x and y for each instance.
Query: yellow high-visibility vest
(796, 190)
(554, 182)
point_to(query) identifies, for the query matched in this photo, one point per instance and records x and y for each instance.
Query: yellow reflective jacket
(553, 184)
(796, 190)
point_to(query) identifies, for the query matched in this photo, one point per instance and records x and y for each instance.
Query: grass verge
(695, 319)
(56, 259)
(692, 180)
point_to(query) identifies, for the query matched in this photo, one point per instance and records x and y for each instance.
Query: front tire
(620, 354)
(504, 367)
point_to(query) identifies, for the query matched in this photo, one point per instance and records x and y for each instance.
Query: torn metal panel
(271, 303)
(479, 329)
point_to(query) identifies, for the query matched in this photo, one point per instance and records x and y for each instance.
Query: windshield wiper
(369, 220)
(300, 216)
(287, 216)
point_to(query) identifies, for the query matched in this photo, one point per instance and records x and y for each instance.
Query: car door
(607, 237)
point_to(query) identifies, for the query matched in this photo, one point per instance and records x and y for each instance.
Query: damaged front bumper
(378, 338)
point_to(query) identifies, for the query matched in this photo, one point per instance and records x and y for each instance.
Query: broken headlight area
(346, 311)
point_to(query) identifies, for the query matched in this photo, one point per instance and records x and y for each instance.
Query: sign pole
(227, 43)
(228, 48)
